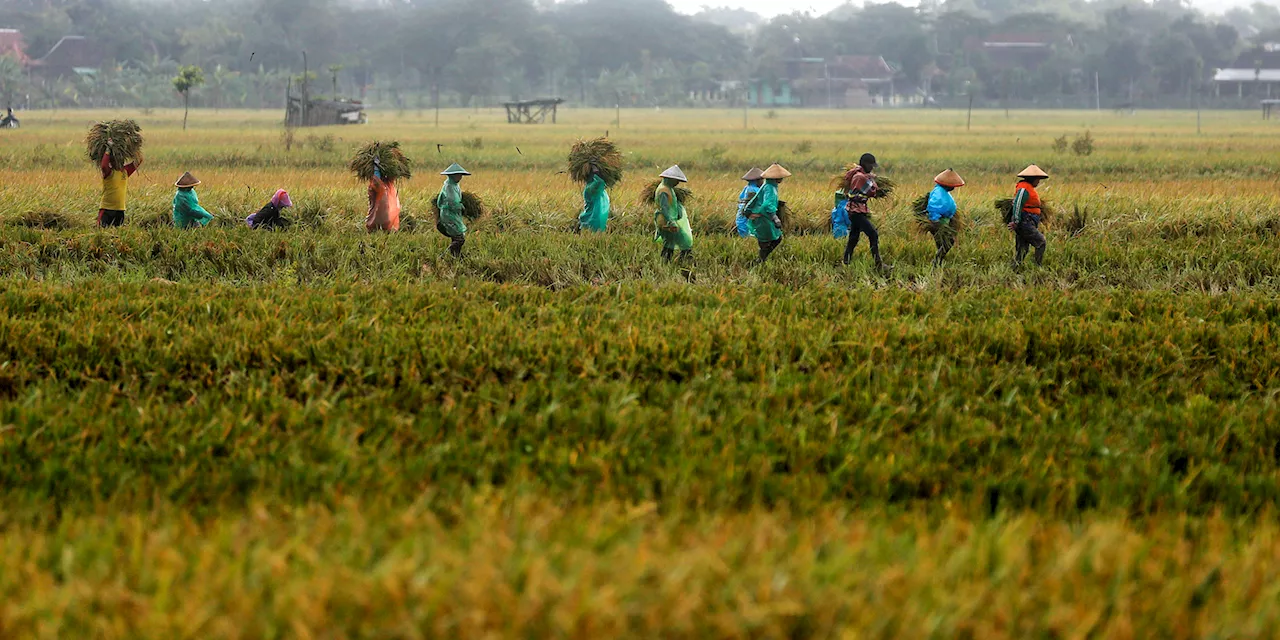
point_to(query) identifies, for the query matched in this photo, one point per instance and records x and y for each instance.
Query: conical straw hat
(455, 169)
(674, 173)
(1033, 172)
(776, 172)
(949, 178)
(754, 174)
(187, 180)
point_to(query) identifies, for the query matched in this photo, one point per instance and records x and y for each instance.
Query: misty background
(411, 54)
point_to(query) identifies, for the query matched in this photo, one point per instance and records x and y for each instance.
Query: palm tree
(188, 78)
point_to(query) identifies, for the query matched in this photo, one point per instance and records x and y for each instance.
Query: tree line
(409, 54)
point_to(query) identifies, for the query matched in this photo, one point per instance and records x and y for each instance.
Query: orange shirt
(1032, 205)
(384, 207)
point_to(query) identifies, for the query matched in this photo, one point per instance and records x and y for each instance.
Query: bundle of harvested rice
(395, 165)
(1005, 207)
(650, 193)
(920, 211)
(600, 152)
(123, 138)
(884, 186)
(784, 215)
(473, 207)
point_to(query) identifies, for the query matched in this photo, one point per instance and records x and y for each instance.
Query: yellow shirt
(114, 191)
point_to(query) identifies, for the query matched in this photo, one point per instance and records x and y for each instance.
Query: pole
(1097, 92)
(306, 99)
(969, 126)
(826, 71)
(618, 107)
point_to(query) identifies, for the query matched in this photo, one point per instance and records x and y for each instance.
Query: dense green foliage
(639, 52)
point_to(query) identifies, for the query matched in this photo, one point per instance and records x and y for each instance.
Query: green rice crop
(318, 432)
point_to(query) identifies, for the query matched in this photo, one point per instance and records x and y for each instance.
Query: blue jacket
(941, 204)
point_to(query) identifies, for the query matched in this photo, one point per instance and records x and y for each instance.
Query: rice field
(321, 433)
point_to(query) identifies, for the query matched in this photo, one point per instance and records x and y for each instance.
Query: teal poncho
(595, 211)
(762, 210)
(449, 201)
(187, 212)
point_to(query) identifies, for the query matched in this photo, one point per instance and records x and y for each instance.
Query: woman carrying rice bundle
(762, 211)
(754, 179)
(941, 211)
(860, 187)
(449, 203)
(595, 203)
(384, 202)
(1026, 214)
(671, 218)
(187, 212)
(268, 217)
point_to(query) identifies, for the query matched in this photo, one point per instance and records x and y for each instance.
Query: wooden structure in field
(1267, 107)
(532, 111)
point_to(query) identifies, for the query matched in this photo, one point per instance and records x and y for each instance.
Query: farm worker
(671, 218)
(268, 217)
(595, 203)
(840, 215)
(115, 191)
(860, 185)
(449, 202)
(9, 121)
(754, 178)
(187, 212)
(762, 211)
(1026, 213)
(942, 212)
(384, 203)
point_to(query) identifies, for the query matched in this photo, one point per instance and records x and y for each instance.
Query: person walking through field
(449, 203)
(269, 216)
(1026, 214)
(384, 203)
(754, 179)
(860, 187)
(115, 190)
(762, 211)
(595, 204)
(671, 219)
(941, 210)
(187, 212)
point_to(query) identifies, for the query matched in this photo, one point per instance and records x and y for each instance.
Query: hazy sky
(770, 8)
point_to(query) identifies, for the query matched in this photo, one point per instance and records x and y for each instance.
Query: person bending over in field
(449, 203)
(754, 179)
(269, 217)
(671, 218)
(942, 212)
(384, 203)
(187, 212)
(1025, 216)
(595, 204)
(763, 212)
(115, 191)
(860, 187)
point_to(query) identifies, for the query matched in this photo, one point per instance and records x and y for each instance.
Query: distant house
(72, 56)
(1254, 73)
(838, 83)
(11, 43)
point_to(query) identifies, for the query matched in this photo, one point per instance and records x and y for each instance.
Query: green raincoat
(187, 212)
(765, 205)
(449, 201)
(672, 214)
(595, 212)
